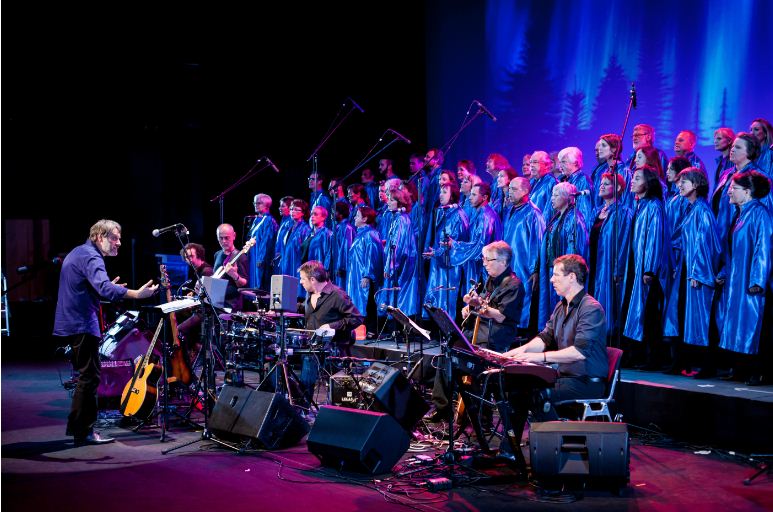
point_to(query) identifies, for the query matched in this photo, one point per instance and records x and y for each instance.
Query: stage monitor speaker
(284, 293)
(355, 440)
(113, 378)
(393, 394)
(592, 452)
(266, 417)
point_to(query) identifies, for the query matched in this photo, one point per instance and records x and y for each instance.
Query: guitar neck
(219, 273)
(153, 343)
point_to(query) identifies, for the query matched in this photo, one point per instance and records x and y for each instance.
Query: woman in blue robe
(565, 234)
(263, 230)
(695, 253)
(281, 235)
(401, 257)
(292, 252)
(744, 150)
(608, 150)
(646, 268)
(319, 243)
(607, 258)
(342, 241)
(365, 268)
(747, 329)
(523, 231)
(450, 221)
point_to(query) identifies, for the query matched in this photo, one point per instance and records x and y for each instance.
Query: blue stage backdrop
(558, 73)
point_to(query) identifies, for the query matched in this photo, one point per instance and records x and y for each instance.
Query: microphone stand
(618, 301)
(251, 172)
(207, 374)
(333, 128)
(467, 121)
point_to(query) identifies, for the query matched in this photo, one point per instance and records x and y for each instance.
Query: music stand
(409, 325)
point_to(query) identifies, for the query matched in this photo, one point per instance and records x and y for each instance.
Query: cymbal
(255, 291)
(286, 315)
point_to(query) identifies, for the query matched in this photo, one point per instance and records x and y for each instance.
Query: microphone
(580, 193)
(446, 207)
(273, 166)
(394, 289)
(486, 111)
(399, 136)
(23, 269)
(174, 227)
(633, 95)
(355, 105)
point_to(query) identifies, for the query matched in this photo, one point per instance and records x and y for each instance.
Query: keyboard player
(574, 338)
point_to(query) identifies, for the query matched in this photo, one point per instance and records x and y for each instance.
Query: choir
(682, 271)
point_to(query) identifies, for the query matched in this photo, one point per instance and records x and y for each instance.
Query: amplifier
(344, 392)
(112, 380)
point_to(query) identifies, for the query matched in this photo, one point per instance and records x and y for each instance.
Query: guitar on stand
(178, 365)
(141, 393)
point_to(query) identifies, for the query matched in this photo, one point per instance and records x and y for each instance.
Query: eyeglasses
(490, 259)
(296, 209)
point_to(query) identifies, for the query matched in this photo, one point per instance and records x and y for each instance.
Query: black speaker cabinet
(355, 440)
(589, 451)
(266, 417)
(112, 380)
(393, 393)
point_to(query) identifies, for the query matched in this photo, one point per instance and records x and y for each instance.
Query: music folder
(449, 327)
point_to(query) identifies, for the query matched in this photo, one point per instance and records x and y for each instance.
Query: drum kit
(253, 338)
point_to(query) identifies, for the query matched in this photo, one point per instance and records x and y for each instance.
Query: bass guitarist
(235, 264)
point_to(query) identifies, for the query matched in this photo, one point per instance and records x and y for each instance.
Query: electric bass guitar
(140, 394)
(220, 272)
(178, 365)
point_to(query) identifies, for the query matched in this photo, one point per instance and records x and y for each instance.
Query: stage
(41, 470)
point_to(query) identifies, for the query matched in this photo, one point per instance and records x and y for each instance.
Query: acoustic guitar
(140, 394)
(178, 365)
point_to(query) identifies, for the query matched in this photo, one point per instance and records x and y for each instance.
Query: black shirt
(583, 326)
(505, 295)
(335, 308)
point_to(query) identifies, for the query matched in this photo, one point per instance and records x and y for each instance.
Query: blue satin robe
(365, 259)
(431, 192)
(694, 243)
(695, 161)
(571, 237)
(281, 235)
(765, 161)
(749, 265)
(371, 188)
(454, 223)
(320, 198)
(584, 204)
(321, 246)
(383, 221)
(339, 261)
(485, 227)
(498, 201)
(401, 267)
(523, 231)
(541, 190)
(648, 246)
(610, 259)
(722, 165)
(292, 251)
(263, 230)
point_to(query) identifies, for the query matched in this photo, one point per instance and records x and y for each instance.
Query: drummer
(330, 312)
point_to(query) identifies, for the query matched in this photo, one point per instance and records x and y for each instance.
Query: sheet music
(177, 305)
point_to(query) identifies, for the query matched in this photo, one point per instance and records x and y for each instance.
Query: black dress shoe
(93, 438)
(705, 373)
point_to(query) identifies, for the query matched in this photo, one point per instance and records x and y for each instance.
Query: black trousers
(85, 361)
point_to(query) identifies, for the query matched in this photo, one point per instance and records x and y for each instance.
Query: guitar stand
(762, 468)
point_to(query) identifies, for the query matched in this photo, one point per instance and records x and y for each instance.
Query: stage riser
(730, 423)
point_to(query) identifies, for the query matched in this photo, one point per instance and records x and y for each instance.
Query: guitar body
(178, 365)
(140, 394)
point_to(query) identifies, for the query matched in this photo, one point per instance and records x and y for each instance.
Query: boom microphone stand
(251, 172)
(209, 318)
(618, 301)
